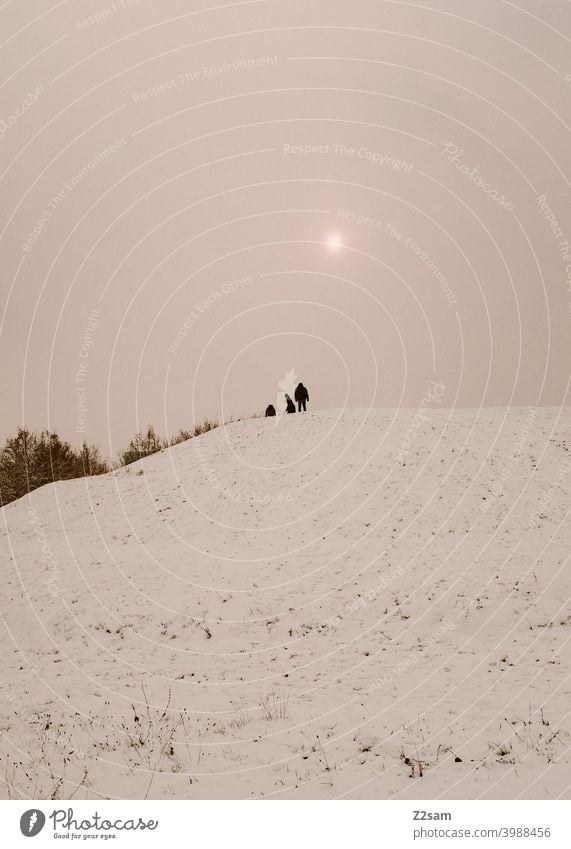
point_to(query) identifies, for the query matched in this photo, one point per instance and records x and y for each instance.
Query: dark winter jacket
(301, 393)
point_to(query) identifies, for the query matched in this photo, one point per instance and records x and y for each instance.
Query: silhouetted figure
(301, 395)
(290, 405)
(270, 410)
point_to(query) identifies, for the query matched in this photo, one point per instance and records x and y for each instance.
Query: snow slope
(360, 604)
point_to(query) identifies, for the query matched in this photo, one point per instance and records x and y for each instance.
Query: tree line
(31, 459)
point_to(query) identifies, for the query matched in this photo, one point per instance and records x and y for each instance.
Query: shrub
(142, 445)
(197, 430)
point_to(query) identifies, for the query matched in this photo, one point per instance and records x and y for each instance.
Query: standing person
(302, 397)
(290, 405)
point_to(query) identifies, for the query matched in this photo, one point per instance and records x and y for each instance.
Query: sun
(334, 242)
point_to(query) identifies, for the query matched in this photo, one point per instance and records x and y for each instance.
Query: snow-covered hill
(339, 604)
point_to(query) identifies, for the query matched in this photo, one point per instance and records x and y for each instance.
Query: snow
(356, 604)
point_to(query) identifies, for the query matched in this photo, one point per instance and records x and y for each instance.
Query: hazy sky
(199, 200)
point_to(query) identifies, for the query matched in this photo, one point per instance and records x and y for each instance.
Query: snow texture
(357, 604)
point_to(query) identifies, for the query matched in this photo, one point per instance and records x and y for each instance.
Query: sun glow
(334, 242)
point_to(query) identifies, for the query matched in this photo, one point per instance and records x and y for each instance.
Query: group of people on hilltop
(301, 396)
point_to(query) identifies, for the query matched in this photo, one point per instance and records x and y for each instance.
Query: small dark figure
(301, 395)
(270, 410)
(290, 405)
